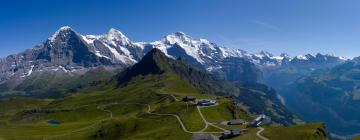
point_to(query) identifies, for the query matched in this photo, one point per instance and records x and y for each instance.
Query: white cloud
(267, 25)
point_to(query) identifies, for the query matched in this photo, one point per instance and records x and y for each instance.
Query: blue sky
(291, 26)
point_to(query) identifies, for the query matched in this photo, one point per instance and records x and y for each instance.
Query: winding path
(259, 133)
(202, 117)
(181, 123)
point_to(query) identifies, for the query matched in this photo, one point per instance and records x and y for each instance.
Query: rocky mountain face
(70, 52)
(65, 52)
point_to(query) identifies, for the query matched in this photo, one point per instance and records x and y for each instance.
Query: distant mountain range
(70, 52)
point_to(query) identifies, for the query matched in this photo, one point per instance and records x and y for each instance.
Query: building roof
(236, 131)
(202, 136)
(261, 120)
(190, 97)
(227, 133)
(207, 101)
(240, 121)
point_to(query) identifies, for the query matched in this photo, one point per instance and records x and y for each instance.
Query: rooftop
(203, 136)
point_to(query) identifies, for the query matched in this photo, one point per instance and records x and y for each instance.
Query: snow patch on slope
(62, 68)
(30, 71)
(301, 57)
(120, 57)
(89, 39)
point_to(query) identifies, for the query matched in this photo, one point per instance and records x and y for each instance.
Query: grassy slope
(130, 120)
(314, 131)
(311, 131)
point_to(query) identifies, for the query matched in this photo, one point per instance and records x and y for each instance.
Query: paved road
(259, 133)
(202, 117)
(208, 123)
(180, 121)
(204, 120)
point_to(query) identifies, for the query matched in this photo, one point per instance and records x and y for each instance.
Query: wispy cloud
(253, 43)
(267, 25)
(245, 43)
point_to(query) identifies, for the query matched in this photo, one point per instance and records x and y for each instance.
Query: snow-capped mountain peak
(117, 36)
(264, 54)
(65, 28)
(182, 38)
(191, 46)
(63, 31)
(178, 37)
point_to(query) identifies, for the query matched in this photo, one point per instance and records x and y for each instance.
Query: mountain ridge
(114, 48)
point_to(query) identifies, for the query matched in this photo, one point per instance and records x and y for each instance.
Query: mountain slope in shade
(330, 95)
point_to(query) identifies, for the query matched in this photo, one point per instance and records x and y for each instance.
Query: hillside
(256, 98)
(311, 131)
